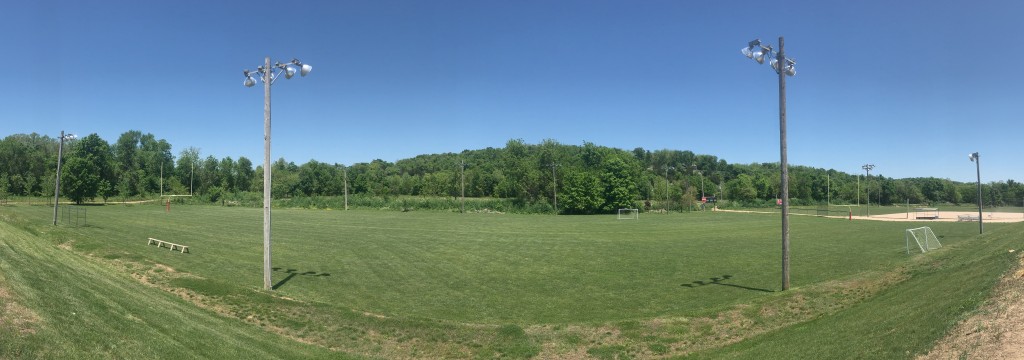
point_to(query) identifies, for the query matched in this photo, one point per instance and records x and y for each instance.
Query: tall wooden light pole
(867, 176)
(784, 67)
(554, 185)
(462, 174)
(56, 186)
(268, 75)
(977, 164)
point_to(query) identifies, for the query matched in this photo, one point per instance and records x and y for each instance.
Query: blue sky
(909, 86)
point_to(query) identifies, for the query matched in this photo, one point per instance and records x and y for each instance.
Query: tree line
(587, 178)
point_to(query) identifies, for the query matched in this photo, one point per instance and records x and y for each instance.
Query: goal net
(628, 214)
(924, 238)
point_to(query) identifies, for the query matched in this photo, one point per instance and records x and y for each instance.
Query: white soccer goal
(924, 238)
(628, 214)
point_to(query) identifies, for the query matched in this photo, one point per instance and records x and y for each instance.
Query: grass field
(437, 284)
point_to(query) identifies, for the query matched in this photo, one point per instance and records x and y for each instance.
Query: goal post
(926, 213)
(628, 214)
(923, 237)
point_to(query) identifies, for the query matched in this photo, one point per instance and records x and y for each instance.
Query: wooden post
(267, 71)
(781, 58)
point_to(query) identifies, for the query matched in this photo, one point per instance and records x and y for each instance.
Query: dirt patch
(944, 216)
(15, 316)
(950, 216)
(996, 331)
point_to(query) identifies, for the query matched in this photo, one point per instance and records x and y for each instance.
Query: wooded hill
(588, 178)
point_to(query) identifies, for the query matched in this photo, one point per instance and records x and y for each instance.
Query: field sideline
(428, 284)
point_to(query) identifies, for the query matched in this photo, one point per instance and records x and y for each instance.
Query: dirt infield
(944, 216)
(950, 216)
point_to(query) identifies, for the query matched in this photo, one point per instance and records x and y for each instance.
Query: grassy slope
(902, 320)
(70, 306)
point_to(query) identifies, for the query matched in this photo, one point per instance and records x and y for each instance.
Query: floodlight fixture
(749, 50)
(756, 51)
(304, 69)
(759, 55)
(289, 71)
(790, 68)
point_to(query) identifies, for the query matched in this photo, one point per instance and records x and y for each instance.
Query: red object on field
(703, 199)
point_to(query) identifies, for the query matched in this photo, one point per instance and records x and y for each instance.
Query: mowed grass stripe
(86, 309)
(901, 321)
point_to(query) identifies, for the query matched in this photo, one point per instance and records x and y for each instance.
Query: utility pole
(780, 60)
(666, 186)
(554, 185)
(56, 187)
(783, 66)
(977, 162)
(268, 76)
(867, 169)
(462, 172)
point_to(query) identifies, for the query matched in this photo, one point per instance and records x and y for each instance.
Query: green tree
(315, 179)
(244, 174)
(80, 179)
(620, 184)
(187, 167)
(105, 190)
(583, 193)
(227, 174)
(208, 175)
(741, 188)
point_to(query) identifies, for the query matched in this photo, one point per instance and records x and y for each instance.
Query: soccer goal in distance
(924, 238)
(628, 214)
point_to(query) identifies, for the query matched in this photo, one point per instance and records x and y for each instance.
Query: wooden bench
(966, 218)
(172, 246)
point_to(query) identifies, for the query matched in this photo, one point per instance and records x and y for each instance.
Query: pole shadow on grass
(719, 281)
(292, 273)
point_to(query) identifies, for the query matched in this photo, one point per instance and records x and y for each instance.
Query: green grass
(561, 269)
(902, 320)
(64, 305)
(440, 284)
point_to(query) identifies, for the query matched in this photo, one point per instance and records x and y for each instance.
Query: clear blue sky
(910, 86)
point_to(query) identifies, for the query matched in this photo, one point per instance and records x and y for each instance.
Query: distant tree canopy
(588, 178)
